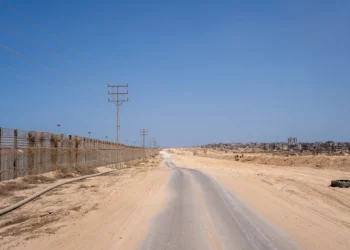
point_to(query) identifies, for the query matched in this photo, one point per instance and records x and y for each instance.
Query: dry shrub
(137, 164)
(195, 153)
(37, 179)
(9, 187)
(66, 172)
(82, 170)
(128, 164)
(83, 186)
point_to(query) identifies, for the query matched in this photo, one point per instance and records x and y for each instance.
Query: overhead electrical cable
(41, 64)
(13, 9)
(27, 75)
(31, 41)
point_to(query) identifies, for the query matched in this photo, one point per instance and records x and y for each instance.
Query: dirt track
(203, 214)
(139, 208)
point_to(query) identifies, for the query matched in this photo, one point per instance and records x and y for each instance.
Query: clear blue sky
(198, 71)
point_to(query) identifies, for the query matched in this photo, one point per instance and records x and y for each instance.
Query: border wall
(29, 153)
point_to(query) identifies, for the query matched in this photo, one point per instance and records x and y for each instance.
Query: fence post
(77, 143)
(31, 146)
(97, 152)
(70, 147)
(85, 146)
(15, 138)
(41, 155)
(54, 151)
(15, 144)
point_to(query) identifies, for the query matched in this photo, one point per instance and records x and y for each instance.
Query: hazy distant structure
(144, 133)
(292, 141)
(154, 143)
(290, 145)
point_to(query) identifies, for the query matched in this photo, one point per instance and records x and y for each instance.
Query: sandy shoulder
(107, 212)
(297, 199)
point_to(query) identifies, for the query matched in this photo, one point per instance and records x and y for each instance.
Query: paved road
(203, 215)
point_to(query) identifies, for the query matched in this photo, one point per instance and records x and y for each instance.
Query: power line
(25, 76)
(40, 64)
(13, 9)
(18, 74)
(34, 43)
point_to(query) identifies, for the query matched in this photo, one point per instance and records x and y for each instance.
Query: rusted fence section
(27, 152)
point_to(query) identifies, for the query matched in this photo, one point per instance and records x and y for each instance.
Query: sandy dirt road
(203, 214)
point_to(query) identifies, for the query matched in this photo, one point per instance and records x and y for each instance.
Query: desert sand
(297, 199)
(119, 210)
(106, 212)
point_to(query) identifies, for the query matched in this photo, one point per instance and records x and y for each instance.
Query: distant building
(292, 141)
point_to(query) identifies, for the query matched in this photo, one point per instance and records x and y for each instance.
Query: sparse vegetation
(9, 187)
(37, 179)
(64, 172)
(137, 164)
(128, 164)
(83, 170)
(70, 172)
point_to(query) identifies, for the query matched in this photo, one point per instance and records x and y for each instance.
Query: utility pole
(58, 128)
(144, 133)
(118, 102)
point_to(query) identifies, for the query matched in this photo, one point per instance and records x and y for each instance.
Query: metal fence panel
(7, 138)
(22, 139)
(28, 153)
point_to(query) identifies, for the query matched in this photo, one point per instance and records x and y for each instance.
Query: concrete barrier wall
(28, 153)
